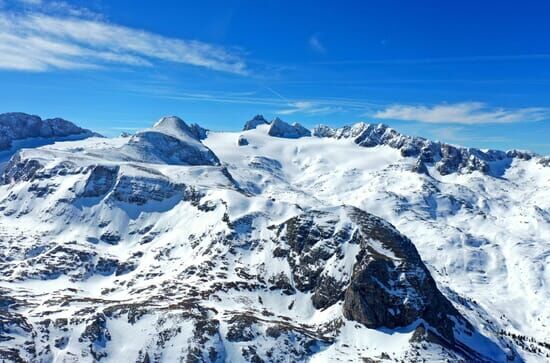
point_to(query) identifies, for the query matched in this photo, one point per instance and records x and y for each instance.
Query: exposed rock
(109, 237)
(389, 285)
(446, 158)
(199, 132)
(160, 147)
(17, 125)
(141, 190)
(545, 161)
(241, 328)
(420, 167)
(242, 141)
(19, 169)
(101, 180)
(255, 122)
(279, 128)
(97, 335)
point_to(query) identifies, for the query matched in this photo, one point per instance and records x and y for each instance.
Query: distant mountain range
(273, 244)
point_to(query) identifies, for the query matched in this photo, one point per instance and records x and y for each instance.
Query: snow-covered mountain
(20, 130)
(274, 244)
(16, 126)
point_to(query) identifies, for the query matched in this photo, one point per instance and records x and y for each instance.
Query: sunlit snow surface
(486, 240)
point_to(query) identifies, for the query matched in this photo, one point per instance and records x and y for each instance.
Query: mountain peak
(18, 125)
(279, 128)
(445, 157)
(173, 125)
(255, 122)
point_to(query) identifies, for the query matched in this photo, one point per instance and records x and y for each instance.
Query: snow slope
(168, 246)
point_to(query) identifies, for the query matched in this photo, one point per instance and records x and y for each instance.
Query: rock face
(388, 286)
(170, 141)
(16, 126)
(242, 141)
(279, 128)
(446, 158)
(255, 122)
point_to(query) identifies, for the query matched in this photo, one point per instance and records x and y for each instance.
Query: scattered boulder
(242, 141)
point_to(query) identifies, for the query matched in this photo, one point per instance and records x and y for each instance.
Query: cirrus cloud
(41, 42)
(316, 45)
(468, 113)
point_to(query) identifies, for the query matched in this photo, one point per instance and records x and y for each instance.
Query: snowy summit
(272, 244)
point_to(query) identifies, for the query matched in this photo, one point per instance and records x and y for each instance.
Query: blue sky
(475, 73)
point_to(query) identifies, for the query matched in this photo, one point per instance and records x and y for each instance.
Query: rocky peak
(388, 286)
(279, 128)
(446, 158)
(174, 126)
(18, 125)
(255, 122)
(170, 141)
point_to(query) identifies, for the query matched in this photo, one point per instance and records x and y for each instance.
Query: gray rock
(101, 180)
(420, 167)
(394, 289)
(279, 128)
(159, 147)
(255, 122)
(19, 169)
(170, 141)
(389, 287)
(18, 125)
(545, 161)
(242, 141)
(446, 158)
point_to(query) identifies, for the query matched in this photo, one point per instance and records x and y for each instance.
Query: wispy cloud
(316, 45)
(276, 101)
(40, 42)
(30, 2)
(309, 107)
(444, 60)
(462, 113)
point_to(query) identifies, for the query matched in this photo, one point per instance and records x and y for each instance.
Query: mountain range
(272, 244)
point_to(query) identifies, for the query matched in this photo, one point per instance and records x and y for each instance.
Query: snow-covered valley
(276, 243)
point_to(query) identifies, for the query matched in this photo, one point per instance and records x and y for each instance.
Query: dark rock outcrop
(101, 180)
(20, 169)
(545, 161)
(389, 286)
(159, 147)
(18, 125)
(446, 158)
(279, 128)
(255, 122)
(242, 141)
(170, 141)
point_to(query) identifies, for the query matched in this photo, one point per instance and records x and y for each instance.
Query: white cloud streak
(444, 60)
(39, 42)
(316, 45)
(468, 113)
(308, 107)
